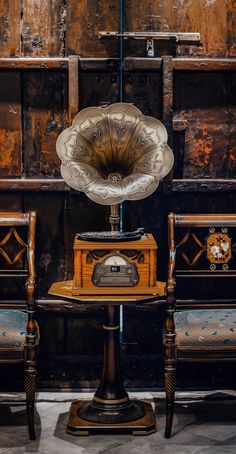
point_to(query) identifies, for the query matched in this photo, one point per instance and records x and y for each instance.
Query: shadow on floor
(13, 425)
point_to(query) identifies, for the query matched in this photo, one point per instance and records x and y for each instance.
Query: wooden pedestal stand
(110, 410)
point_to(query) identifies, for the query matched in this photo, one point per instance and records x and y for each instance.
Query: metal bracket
(149, 37)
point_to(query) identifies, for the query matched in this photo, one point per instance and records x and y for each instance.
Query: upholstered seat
(206, 329)
(12, 333)
(12, 330)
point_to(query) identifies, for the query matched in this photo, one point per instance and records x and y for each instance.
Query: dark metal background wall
(192, 90)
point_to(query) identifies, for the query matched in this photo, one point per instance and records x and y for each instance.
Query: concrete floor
(204, 422)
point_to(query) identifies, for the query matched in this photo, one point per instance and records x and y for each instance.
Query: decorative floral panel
(218, 247)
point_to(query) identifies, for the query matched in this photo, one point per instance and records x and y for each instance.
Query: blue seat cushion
(12, 330)
(209, 329)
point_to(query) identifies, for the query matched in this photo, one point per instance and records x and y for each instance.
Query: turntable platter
(111, 236)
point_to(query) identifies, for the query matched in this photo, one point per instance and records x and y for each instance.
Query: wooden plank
(214, 20)
(43, 28)
(73, 82)
(80, 214)
(33, 63)
(112, 64)
(143, 89)
(231, 125)
(167, 96)
(167, 108)
(10, 124)
(33, 184)
(98, 88)
(58, 185)
(204, 64)
(84, 20)
(44, 119)
(60, 305)
(10, 202)
(50, 237)
(10, 27)
(99, 64)
(204, 185)
(207, 102)
(146, 64)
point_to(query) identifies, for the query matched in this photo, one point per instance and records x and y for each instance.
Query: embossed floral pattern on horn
(114, 154)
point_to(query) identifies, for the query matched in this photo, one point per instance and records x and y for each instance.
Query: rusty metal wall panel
(84, 20)
(10, 29)
(45, 107)
(143, 89)
(214, 19)
(59, 26)
(10, 124)
(43, 28)
(80, 215)
(207, 103)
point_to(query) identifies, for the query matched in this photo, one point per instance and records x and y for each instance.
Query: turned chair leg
(170, 397)
(30, 388)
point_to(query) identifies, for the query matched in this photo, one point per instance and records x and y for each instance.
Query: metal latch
(149, 37)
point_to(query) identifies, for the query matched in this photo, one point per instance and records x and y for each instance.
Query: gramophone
(113, 154)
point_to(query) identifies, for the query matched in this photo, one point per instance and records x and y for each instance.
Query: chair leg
(30, 388)
(170, 372)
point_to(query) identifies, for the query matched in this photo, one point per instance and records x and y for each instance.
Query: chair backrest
(202, 259)
(17, 257)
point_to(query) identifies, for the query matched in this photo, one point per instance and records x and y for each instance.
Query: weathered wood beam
(57, 305)
(33, 184)
(112, 64)
(167, 108)
(146, 64)
(33, 63)
(204, 64)
(99, 64)
(73, 86)
(53, 305)
(203, 185)
(58, 185)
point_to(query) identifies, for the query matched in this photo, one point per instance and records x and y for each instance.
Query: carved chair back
(202, 260)
(17, 259)
(201, 297)
(19, 335)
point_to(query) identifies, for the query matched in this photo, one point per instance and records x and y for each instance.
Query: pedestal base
(79, 426)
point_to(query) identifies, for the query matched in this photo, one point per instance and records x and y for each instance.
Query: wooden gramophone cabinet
(120, 267)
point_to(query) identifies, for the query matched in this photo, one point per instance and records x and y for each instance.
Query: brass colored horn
(114, 154)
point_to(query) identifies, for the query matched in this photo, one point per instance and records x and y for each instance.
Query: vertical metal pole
(121, 88)
(121, 53)
(121, 85)
(114, 218)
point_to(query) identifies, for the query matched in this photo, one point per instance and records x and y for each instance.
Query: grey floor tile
(219, 450)
(219, 432)
(145, 448)
(49, 445)
(201, 425)
(126, 449)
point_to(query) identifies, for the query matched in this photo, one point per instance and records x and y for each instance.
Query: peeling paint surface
(208, 103)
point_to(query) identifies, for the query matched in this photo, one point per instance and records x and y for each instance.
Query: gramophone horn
(114, 154)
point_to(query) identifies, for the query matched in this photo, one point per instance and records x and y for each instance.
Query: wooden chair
(199, 328)
(18, 329)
